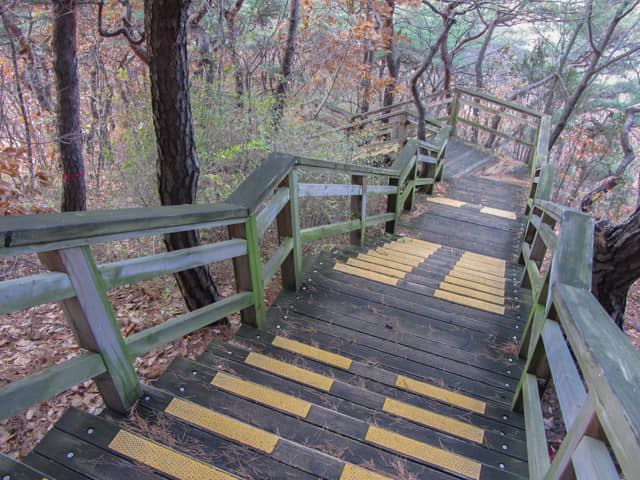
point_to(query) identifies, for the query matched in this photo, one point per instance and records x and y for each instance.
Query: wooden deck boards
(396, 360)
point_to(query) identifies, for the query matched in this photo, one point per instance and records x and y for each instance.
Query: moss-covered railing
(571, 340)
(270, 195)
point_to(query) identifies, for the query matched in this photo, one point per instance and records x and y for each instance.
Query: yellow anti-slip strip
(466, 272)
(469, 302)
(223, 425)
(484, 258)
(472, 277)
(397, 256)
(377, 277)
(468, 292)
(434, 420)
(497, 270)
(447, 201)
(496, 212)
(289, 371)
(258, 393)
(436, 456)
(351, 472)
(374, 267)
(163, 459)
(312, 352)
(385, 263)
(475, 285)
(441, 394)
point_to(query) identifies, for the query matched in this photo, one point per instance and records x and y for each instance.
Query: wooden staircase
(419, 354)
(353, 378)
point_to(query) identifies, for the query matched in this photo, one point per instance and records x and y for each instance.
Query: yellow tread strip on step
(497, 212)
(439, 393)
(223, 425)
(475, 285)
(376, 268)
(468, 292)
(434, 420)
(396, 256)
(289, 371)
(447, 201)
(471, 276)
(351, 472)
(377, 277)
(482, 267)
(163, 459)
(312, 352)
(385, 263)
(264, 395)
(436, 456)
(485, 258)
(478, 273)
(469, 302)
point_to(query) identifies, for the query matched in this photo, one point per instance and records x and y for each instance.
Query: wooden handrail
(595, 369)
(270, 194)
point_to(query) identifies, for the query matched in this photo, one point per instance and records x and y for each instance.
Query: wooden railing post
(359, 209)
(392, 202)
(248, 272)
(455, 106)
(288, 221)
(95, 326)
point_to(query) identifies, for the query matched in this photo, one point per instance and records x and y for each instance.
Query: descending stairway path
(396, 360)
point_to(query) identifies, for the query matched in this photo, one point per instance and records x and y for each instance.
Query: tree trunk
(428, 59)
(392, 58)
(287, 61)
(178, 169)
(65, 66)
(616, 263)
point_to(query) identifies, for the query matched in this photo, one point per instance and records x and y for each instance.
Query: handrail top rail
(506, 103)
(39, 232)
(610, 365)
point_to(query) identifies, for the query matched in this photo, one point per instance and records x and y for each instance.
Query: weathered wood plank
(534, 428)
(328, 190)
(381, 189)
(345, 167)
(37, 233)
(94, 323)
(510, 116)
(376, 219)
(495, 132)
(145, 341)
(359, 208)
(262, 181)
(288, 222)
(499, 101)
(566, 379)
(28, 292)
(611, 368)
(581, 426)
(331, 230)
(248, 271)
(279, 256)
(573, 260)
(268, 214)
(592, 460)
(25, 392)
